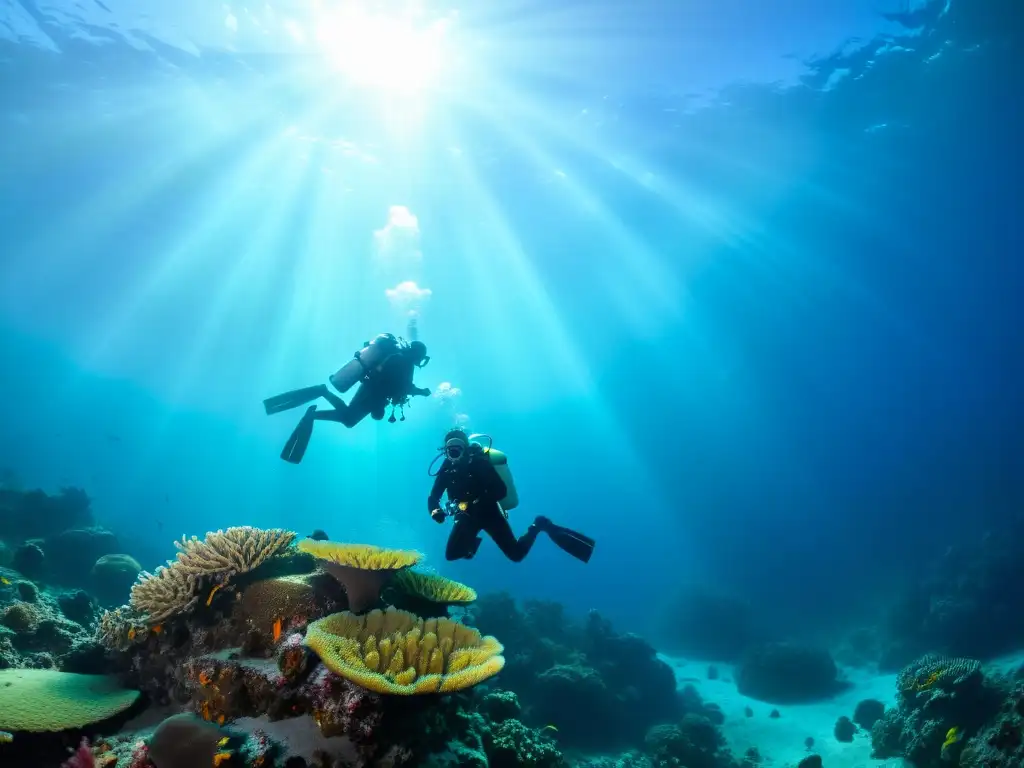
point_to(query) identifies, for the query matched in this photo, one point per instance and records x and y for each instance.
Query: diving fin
(293, 399)
(576, 544)
(296, 446)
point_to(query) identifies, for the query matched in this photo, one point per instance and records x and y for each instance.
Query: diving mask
(455, 449)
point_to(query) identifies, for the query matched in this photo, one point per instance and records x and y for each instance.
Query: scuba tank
(499, 460)
(365, 362)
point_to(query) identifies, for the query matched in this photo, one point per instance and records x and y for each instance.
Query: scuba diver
(480, 490)
(383, 368)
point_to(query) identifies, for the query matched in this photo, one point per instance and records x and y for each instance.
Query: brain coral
(47, 700)
(397, 652)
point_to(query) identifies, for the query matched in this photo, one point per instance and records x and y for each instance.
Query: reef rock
(785, 673)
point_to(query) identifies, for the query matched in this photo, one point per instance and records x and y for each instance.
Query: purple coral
(343, 708)
(82, 758)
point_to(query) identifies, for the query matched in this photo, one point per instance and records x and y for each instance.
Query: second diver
(480, 489)
(384, 370)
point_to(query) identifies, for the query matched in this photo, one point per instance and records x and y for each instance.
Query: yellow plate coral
(362, 569)
(434, 588)
(396, 652)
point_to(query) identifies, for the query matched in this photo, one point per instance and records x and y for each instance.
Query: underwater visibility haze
(733, 288)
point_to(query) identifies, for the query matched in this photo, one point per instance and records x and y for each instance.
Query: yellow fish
(953, 735)
(5, 581)
(212, 593)
(223, 742)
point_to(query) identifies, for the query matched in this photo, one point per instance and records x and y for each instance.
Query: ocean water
(735, 287)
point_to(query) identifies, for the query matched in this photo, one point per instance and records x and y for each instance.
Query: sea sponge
(21, 617)
(397, 652)
(362, 569)
(293, 599)
(177, 587)
(433, 588)
(46, 700)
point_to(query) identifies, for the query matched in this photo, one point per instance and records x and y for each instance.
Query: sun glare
(387, 52)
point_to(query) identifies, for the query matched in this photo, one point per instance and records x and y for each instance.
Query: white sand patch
(782, 742)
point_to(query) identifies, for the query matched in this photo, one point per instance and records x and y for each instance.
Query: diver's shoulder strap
(497, 457)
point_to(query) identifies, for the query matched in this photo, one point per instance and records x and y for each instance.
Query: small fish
(157, 629)
(5, 581)
(953, 735)
(277, 630)
(212, 593)
(6, 738)
(132, 633)
(220, 757)
(223, 742)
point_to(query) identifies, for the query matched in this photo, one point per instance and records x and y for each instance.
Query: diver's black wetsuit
(478, 483)
(393, 383)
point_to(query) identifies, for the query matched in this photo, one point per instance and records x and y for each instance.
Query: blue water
(735, 287)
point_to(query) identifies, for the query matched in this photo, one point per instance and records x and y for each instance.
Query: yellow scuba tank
(499, 460)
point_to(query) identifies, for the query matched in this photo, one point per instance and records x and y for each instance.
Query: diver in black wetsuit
(476, 489)
(385, 377)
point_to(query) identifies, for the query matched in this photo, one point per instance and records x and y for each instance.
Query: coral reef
(34, 514)
(45, 629)
(250, 648)
(940, 700)
(1000, 744)
(202, 568)
(963, 606)
(694, 742)
(596, 686)
(784, 673)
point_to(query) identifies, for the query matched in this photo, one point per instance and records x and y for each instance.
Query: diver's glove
(437, 515)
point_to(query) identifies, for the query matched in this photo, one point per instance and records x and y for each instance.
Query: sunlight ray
(654, 294)
(702, 208)
(174, 267)
(249, 274)
(554, 349)
(46, 260)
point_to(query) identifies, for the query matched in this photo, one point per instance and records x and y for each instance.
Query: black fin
(293, 399)
(576, 544)
(296, 446)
